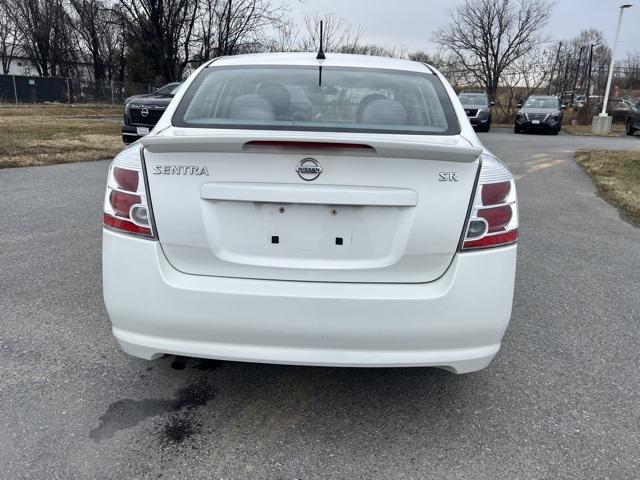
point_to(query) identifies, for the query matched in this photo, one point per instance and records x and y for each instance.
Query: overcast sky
(411, 22)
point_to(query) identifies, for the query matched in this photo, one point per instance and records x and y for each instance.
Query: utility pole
(575, 79)
(553, 69)
(590, 72)
(566, 76)
(228, 29)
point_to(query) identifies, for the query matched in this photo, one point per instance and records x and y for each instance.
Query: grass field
(32, 135)
(617, 176)
(617, 130)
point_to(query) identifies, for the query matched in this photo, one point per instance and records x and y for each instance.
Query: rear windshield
(305, 98)
(473, 99)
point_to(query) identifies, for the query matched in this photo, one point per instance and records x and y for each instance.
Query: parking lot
(561, 400)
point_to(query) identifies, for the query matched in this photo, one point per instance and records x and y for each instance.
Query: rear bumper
(456, 322)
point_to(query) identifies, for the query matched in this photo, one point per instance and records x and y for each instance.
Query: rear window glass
(303, 98)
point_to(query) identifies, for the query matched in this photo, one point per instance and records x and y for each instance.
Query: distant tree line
(488, 44)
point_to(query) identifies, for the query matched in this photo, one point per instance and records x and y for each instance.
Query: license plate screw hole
(282, 209)
(334, 211)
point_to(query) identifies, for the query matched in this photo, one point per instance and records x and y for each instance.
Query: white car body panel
(456, 322)
(395, 292)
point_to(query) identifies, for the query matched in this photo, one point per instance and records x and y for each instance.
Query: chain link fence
(26, 89)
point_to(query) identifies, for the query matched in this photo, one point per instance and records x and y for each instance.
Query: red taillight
(497, 217)
(494, 217)
(493, 240)
(124, 225)
(126, 179)
(495, 193)
(125, 206)
(122, 202)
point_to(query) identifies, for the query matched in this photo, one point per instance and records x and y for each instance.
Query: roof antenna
(320, 55)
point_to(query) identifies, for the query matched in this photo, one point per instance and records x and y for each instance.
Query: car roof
(332, 60)
(544, 96)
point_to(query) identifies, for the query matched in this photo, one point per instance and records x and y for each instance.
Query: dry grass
(617, 130)
(49, 134)
(617, 176)
(61, 110)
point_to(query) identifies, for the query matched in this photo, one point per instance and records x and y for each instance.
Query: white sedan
(292, 210)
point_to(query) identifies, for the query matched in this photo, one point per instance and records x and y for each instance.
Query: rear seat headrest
(384, 111)
(251, 107)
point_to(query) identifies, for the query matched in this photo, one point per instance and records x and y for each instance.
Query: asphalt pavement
(561, 400)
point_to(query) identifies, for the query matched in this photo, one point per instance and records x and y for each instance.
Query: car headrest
(277, 95)
(251, 107)
(383, 111)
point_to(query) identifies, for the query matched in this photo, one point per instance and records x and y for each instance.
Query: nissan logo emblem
(144, 112)
(308, 169)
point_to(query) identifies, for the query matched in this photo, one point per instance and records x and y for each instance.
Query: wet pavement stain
(178, 428)
(127, 413)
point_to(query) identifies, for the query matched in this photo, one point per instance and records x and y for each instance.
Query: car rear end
(288, 213)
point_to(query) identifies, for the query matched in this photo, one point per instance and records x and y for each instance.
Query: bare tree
(488, 36)
(95, 31)
(9, 35)
(631, 71)
(229, 27)
(45, 28)
(163, 31)
(524, 77)
(338, 34)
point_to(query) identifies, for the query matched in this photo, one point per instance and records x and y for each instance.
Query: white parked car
(316, 212)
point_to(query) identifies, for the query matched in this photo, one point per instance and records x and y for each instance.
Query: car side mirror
(519, 105)
(563, 107)
(491, 104)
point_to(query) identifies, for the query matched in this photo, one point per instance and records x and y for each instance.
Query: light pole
(613, 60)
(601, 124)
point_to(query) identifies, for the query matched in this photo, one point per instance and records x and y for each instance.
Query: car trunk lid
(383, 208)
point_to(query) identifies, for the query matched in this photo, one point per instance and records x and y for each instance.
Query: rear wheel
(516, 129)
(630, 129)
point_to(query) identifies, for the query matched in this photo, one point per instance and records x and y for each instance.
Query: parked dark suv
(478, 109)
(142, 112)
(633, 120)
(541, 113)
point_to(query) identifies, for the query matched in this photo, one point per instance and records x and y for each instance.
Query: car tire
(629, 129)
(555, 131)
(516, 129)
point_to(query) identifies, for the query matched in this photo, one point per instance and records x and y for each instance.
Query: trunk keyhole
(275, 239)
(339, 241)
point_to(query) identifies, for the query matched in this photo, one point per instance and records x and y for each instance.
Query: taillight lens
(494, 217)
(126, 207)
